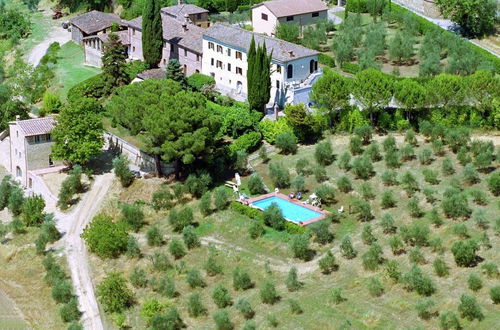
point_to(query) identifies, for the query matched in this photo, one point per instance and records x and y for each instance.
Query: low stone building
(196, 15)
(266, 16)
(30, 148)
(94, 47)
(93, 23)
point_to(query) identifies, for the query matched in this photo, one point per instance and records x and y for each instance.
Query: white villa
(225, 59)
(266, 16)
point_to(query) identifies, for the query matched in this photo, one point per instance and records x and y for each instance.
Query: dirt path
(72, 226)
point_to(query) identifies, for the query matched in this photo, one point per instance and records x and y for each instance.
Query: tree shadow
(103, 163)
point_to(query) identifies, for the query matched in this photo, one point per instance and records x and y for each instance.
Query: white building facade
(225, 59)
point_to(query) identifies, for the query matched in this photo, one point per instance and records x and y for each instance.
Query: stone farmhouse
(196, 15)
(266, 16)
(30, 148)
(93, 23)
(225, 48)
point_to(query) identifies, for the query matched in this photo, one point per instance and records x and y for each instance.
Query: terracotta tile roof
(282, 8)
(282, 51)
(174, 33)
(179, 11)
(36, 126)
(95, 21)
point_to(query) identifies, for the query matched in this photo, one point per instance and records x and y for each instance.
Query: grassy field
(70, 69)
(269, 256)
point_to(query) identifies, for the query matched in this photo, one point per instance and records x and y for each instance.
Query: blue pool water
(291, 211)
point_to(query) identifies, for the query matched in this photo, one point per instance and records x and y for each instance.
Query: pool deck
(292, 200)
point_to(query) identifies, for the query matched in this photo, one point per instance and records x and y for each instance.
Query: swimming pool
(291, 211)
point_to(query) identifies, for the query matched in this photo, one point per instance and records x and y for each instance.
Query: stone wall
(425, 7)
(139, 158)
(93, 56)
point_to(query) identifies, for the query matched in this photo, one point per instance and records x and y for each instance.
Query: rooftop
(158, 73)
(174, 32)
(179, 11)
(37, 126)
(95, 21)
(122, 37)
(282, 51)
(282, 8)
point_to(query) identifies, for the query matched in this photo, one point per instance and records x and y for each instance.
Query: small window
(17, 133)
(197, 71)
(289, 18)
(30, 183)
(229, 67)
(133, 32)
(164, 61)
(185, 69)
(198, 16)
(316, 14)
(239, 71)
(289, 71)
(48, 138)
(197, 58)
(185, 52)
(264, 16)
(277, 84)
(212, 62)
(37, 138)
(219, 49)
(239, 56)
(278, 68)
(210, 45)
(229, 52)
(219, 64)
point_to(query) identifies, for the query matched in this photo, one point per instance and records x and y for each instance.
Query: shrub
(273, 217)
(154, 236)
(447, 167)
(373, 257)
(222, 320)
(256, 184)
(470, 174)
(325, 193)
(240, 161)
(464, 252)
(122, 171)
(337, 296)
(362, 209)
(272, 320)
(429, 194)
(416, 256)
(392, 159)
(104, 237)
(113, 293)
(345, 161)
(212, 266)
(328, 263)
(373, 152)
(479, 217)
(190, 238)
(455, 204)
(414, 207)
(15, 201)
(475, 282)
(355, 145)
(495, 294)
(181, 219)
(469, 308)
(494, 183)
(457, 138)
(221, 197)
(411, 138)
(170, 318)
(247, 142)
(195, 280)
(364, 132)
(387, 223)
(406, 152)
(320, 173)
(415, 280)
(367, 235)
(416, 234)
(389, 143)
(139, 277)
(268, 293)
(303, 167)
(197, 81)
(198, 183)
(195, 305)
(366, 191)
(388, 199)
(298, 183)
(295, 306)
(256, 230)
(396, 245)
(409, 183)
(299, 244)
(463, 156)
(344, 184)
(62, 291)
(244, 307)
(286, 142)
(440, 267)
(279, 175)
(176, 248)
(430, 176)
(392, 269)
(375, 288)
(69, 311)
(362, 167)
(321, 230)
(292, 280)
(165, 287)
(263, 154)
(132, 215)
(162, 199)
(32, 210)
(479, 197)
(271, 128)
(448, 321)
(438, 147)
(221, 296)
(205, 204)
(160, 261)
(490, 269)
(346, 248)
(324, 153)
(389, 178)
(424, 308)
(241, 279)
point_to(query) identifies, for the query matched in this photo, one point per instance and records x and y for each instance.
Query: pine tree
(114, 63)
(152, 33)
(174, 72)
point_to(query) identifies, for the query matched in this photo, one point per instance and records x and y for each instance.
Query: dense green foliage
(104, 237)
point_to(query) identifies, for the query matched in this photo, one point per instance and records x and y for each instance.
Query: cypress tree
(152, 33)
(251, 57)
(258, 76)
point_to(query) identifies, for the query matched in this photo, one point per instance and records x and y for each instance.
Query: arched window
(18, 171)
(289, 71)
(311, 66)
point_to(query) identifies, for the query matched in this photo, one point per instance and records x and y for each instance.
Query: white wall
(18, 154)
(261, 26)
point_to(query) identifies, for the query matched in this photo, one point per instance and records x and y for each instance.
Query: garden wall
(426, 7)
(136, 156)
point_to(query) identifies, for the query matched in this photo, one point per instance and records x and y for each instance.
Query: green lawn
(70, 69)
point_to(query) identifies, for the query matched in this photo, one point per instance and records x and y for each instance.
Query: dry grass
(54, 181)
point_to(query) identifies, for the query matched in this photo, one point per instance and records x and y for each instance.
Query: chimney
(276, 110)
(291, 53)
(18, 118)
(185, 23)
